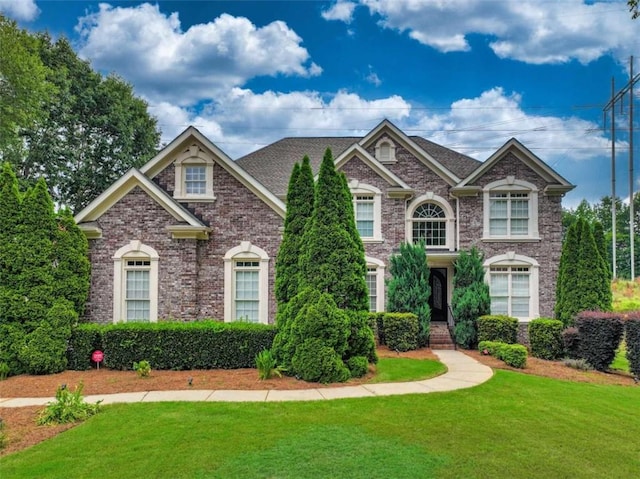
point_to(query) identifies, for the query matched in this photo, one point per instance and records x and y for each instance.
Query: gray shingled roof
(272, 164)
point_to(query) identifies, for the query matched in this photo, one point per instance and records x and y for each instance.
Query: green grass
(620, 362)
(513, 426)
(389, 370)
(626, 295)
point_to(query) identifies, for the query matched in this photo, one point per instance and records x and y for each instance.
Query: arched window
(385, 151)
(513, 284)
(431, 219)
(246, 284)
(135, 283)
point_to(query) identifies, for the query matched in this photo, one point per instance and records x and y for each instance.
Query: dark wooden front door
(438, 299)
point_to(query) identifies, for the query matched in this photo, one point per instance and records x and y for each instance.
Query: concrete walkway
(463, 372)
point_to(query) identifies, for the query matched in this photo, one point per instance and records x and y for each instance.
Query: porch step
(439, 337)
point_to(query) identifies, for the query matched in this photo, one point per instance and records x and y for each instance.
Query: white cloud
(341, 11)
(25, 10)
(527, 30)
(149, 49)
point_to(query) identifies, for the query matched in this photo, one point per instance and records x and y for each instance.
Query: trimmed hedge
(498, 328)
(632, 335)
(600, 334)
(545, 337)
(571, 341)
(377, 326)
(514, 355)
(85, 339)
(173, 345)
(401, 331)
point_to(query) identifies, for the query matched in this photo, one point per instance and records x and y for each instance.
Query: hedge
(632, 336)
(173, 345)
(545, 338)
(571, 341)
(85, 339)
(401, 331)
(514, 355)
(600, 334)
(498, 328)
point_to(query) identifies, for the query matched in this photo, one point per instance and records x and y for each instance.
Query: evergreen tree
(567, 275)
(10, 220)
(598, 235)
(333, 262)
(408, 291)
(471, 298)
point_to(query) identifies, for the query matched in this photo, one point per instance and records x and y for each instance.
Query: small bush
(545, 336)
(466, 334)
(361, 340)
(491, 348)
(401, 331)
(44, 351)
(316, 362)
(498, 328)
(514, 355)
(632, 334)
(4, 371)
(579, 364)
(142, 369)
(358, 366)
(266, 365)
(600, 335)
(375, 322)
(69, 406)
(571, 341)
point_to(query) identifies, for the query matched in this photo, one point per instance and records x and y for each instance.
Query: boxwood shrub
(545, 338)
(85, 339)
(400, 331)
(632, 336)
(173, 345)
(600, 334)
(514, 355)
(498, 328)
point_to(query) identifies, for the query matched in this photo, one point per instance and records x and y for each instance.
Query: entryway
(438, 299)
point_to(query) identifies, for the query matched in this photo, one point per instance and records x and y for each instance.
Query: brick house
(193, 234)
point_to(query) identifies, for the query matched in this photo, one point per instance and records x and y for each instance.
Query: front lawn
(512, 426)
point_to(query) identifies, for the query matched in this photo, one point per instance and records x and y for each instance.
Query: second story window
(429, 225)
(364, 215)
(195, 180)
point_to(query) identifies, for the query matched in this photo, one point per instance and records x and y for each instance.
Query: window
(247, 291)
(194, 175)
(246, 284)
(511, 210)
(430, 218)
(135, 283)
(367, 207)
(364, 205)
(513, 284)
(375, 284)
(385, 151)
(429, 225)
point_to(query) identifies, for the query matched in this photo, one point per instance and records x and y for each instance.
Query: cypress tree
(566, 283)
(10, 219)
(332, 261)
(408, 291)
(598, 235)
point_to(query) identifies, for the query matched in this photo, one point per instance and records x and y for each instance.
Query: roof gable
(185, 139)
(556, 182)
(358, 151)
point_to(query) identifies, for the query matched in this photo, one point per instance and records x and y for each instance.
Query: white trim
(511, 185)
(511, 259)
(380, 283)
(246, 251)
(134, 250)
(194, 156)
(431, 197)
(359, 152)
(363, 189)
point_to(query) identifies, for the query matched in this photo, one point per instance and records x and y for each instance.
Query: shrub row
(514, 355)
(498, 328)
(599, 336)
(171, 345)
(632, 336)
(545, 338)
(400, 331)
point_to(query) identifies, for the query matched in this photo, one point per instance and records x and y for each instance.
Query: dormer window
(194, 176)
(386, 151)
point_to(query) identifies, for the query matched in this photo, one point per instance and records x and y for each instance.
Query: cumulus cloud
(341, 10)
(25, 10)
(149, 49)
(528, 30)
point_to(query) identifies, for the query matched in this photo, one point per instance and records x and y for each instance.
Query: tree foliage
(633, 8)
(95, 130)
(408, 290)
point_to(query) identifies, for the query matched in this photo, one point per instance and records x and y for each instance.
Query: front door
(438, 299)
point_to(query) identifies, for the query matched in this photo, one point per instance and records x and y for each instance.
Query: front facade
(193, 234)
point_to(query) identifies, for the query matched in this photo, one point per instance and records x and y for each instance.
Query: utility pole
(614, 251)
(615, 98)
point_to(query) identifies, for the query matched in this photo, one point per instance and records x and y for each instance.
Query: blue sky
(468, 74)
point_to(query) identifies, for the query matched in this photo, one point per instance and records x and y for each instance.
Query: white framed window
(375, 284)
(513, 285)
(246, 284)
(510, 210)
(430, 218)
(135, 283)
(367, 207)
(194, 176)
(385, 151)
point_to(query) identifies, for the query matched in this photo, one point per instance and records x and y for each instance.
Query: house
(193, 234)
